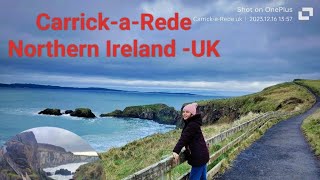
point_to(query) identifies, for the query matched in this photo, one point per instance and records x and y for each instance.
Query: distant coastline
(39, 86)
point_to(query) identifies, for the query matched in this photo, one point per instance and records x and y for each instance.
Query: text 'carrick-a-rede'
(147, 21)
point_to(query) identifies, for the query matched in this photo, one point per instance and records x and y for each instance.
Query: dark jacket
(192, 139)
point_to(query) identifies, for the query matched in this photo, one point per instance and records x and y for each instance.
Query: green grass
(311, 129)
(273, 98)
(93, 170)
(121, 162)
(311, 125)
(314, 85)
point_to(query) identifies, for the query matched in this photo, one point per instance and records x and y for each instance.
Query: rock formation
(23, 157)
(19, 159)
(83, 112)
(64, 172)
(79, 112)
(68, 111)
(51, 156)
(160, 113)
(49, 111)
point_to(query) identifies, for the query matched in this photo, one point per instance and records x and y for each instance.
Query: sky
(62, 138)
(254, 55)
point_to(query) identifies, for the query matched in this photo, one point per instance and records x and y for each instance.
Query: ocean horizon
(19, 109)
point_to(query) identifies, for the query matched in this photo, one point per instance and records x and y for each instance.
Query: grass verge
(314, 85)
(311, 129)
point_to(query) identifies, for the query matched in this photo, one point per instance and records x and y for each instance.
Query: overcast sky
(254, 55)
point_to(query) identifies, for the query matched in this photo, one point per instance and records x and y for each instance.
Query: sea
(70, 167)
(19, 109)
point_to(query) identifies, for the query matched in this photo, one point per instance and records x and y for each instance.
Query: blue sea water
(19, 108)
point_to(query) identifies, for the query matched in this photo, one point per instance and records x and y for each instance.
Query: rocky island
(79, 112)
(49, 111)
(160, 113)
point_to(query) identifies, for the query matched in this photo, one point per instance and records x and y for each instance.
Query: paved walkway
(281, 153)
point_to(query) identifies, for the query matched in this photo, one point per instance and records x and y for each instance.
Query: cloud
(166, 8)
(299, 43)
(250, 52)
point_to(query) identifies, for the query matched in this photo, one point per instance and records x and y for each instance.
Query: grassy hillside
(121, 162)
(285, 96)
(314, 85)
(281, 97)
(311, 128)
